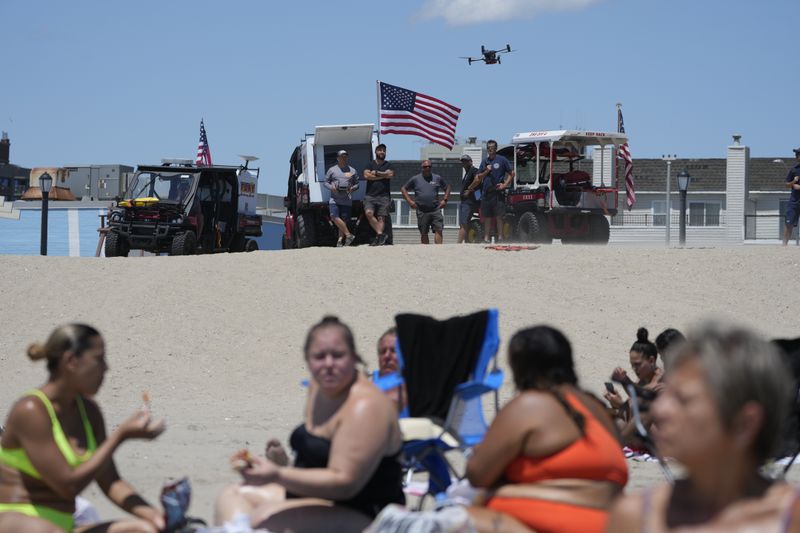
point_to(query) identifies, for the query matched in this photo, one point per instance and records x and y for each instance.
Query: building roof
(14, 171)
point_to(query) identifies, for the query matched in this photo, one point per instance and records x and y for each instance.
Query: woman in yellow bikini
(55, 443)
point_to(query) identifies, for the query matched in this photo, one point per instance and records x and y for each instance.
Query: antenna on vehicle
(247, 159)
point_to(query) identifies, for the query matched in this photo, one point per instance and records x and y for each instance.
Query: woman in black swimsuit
(346, 467)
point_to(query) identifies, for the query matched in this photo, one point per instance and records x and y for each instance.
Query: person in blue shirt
(793, 209)
(495, 173)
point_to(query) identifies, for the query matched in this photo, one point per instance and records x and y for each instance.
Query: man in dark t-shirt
(426, 187)
(496, 173)
(793, 209)
(469, 201)
(378, 196)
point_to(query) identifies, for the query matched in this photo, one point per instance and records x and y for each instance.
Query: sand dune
(217, 340)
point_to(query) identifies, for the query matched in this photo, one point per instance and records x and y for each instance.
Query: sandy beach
(216, 340)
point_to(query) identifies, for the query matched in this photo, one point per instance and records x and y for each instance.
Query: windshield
(172, 187)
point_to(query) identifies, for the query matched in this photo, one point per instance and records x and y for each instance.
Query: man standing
(793, 209)
(341, 179)
(496, 174)
(378, 196)
(426, 187)
(469, 202)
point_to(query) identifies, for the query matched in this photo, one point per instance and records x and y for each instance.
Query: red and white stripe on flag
(406, 112)
(203, 158)
(624, 153)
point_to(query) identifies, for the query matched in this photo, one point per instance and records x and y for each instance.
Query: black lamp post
(683, 185)
(45, 182)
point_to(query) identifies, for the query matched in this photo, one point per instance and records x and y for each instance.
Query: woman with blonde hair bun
(55, 443)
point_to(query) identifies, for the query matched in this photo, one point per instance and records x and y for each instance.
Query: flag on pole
(624, 153)
(405, 112)
(203, 158)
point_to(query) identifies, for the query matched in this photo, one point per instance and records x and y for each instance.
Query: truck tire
(599, 230)
(474, 231)
(116, 245)
(250, 246)
(532, 227)
(184, 244)
(306, 230)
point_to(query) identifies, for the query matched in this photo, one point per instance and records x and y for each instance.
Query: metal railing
(766, 227)
(658, 220)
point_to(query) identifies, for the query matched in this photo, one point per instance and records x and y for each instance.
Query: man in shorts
(341, 179)
(426, 187)
(496, 173)
(793, 209)
(377, 197)
(469, 201)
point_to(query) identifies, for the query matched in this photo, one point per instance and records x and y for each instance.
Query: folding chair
(447, 367)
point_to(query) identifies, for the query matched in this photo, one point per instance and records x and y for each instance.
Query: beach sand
(217, 340)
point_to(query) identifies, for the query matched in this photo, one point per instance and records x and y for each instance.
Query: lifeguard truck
(308, 221)
(552, 196)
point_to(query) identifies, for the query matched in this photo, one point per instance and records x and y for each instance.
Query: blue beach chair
(447, 367)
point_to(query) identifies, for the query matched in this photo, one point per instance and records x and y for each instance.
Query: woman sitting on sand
(550, 459)
(644, 362)
(727, 393)
(346, 450)
(55, 443)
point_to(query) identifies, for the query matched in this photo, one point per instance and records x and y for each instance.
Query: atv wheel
(306, 234)
(116, 245)
(532, 227)
(238, 243)
(184, 244)
(250, 245)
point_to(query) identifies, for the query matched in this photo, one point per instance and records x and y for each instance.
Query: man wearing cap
(341, 179)
(496, 174)
(793, 209)
(426, 187)
(377, 197)
(469, 201)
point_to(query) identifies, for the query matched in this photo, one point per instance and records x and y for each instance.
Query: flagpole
(616, 164)
(378, 106)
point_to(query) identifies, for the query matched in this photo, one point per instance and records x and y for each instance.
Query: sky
(99, 82)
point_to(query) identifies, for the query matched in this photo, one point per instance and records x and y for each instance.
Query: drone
(490, 57)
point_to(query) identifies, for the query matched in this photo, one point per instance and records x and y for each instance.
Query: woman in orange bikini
(55, 443)
(551, 461)
(720, 416)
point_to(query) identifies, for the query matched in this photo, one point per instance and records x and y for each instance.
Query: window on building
(451, 215)
(659, 212)
(704, 214)
(403, 214)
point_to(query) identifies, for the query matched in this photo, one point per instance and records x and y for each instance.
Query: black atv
(184, 210)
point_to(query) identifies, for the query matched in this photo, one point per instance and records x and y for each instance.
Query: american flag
(407, 112)
(624, 153)
(203, 158)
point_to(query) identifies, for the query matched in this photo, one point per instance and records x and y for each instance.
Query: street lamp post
(669, 158)
(45, 182)
(683, 185)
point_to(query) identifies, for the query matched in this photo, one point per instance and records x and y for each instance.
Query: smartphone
(610, 387)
